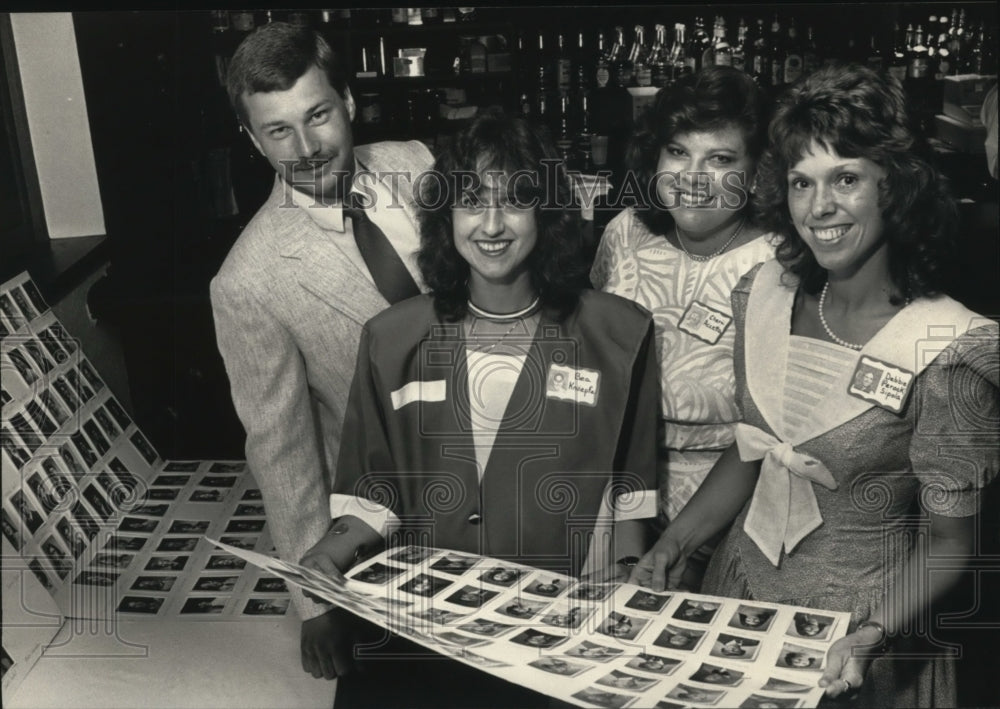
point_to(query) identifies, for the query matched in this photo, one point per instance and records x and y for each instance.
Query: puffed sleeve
(955, 449)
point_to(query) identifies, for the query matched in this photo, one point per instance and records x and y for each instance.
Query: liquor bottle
(563, 66)
(740, 49)
(543, 83)
(399, 16)
(960, 45)
(242, 21)
(794, 61)
(602, 66)
(908, 39)
(898, 63)
(874, 55)
(692, 54)
(810, 53)
(621, 65)
(467, 14)
(722, 51)
(661, 58)
(941, 66)
(779, 53)
(431, 15)
(641, 72)
(917, 66)
(678, 53)
(979, 53)
(761, 56)
(701, 45)
(586, 162)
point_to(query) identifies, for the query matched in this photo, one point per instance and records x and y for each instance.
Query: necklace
(480, 313)
(826, 325)
(709, 257)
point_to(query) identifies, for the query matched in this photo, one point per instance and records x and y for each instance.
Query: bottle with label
(678, 53)
(739, 54)
(702, 45)
(399, 16)
(761, 56)
(692, 53)
(660, 61)
(602, 65)
(581, 67)
(639, 56)
(722, 51)
(794, 62)
(467, 14)
(431, 15)
(563, 66)
(899, 61)
(778, 53)
(810, 52)
(621, 65)
(874, 55)
(543, 83)
(918, 61)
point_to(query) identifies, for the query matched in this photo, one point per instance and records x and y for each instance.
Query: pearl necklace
(518, 317)
(709, 257)
(826, 325)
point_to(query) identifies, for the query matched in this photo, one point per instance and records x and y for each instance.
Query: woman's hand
(662, 566)
(848, 660)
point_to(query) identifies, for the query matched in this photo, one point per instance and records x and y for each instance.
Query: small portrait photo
(138, 525)
(438, 616)
(270, 585)
(603, 698)
(161, 493)
(460, 640)
(105, 422)
(220, 561)
(482, 661)
(86, 452)
(29, 436)
(593, 651)
(502, 576)
(559, 666)
(56, 555)
(52, 346)
(675, 638)
(140, 604)
(44, 579)
(42, 493)
(41, 419)
(656, 664)
(180, 466)
(18, 455)
(237, 526)
(567, 617)
(178, 544)
(23, 305)
(377, 574)
(22, 366)
(775, 684)
(171, 480)
(96, 578)
(735, 647)
(752, 618)
(10, 530)
(266, 606)
(72, 463)
(98, 502)
(252, 494)
(472, 597)
(592, 592)
(83, 520)
(217, 481)
(249, 511)
(228, 466)
(144, 447)
(96, 437)
(546, 586)
(56, 408)
(240, 542)
(690, 693)
(218, 584)
(490, 628)
(760, 701)
(66, 392)
(183, 526)
(522, 609)
(34, 296)
(624, 627)
(79, 388)
(32, 519)
(696, 611)
(55, 473)
(150, 510)
(624, 680)
(714, 674)
(208, 495)
(166, 563)
(106, 482)
(113, 561)
(454, 564)
(797, 657)
(866, 378)
(207, 604)
(646, 601)
(153, 583)
(425, 585)
(126, 543)
(116, 410)
(536, 638)
(810, 625)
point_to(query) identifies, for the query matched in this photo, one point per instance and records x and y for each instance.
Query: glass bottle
(898, 63)
(602, 65)
(563, 66)
(917, 66)
(778, 50)
(739, 56)
(642, 74)
(761, 56)
(621, 65)
(794, 62)
(661, 59)
(678, 53)
(722, 51)
(810, 52)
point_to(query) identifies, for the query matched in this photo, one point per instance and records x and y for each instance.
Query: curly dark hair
(274, 56)
(714, 98)
(511, 146)
(858, 112)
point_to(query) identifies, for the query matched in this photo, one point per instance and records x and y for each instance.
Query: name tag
(705, 323)
(418, 391)
(881, 383)
(581, 386)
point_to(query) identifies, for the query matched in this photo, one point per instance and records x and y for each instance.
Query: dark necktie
(391, 278)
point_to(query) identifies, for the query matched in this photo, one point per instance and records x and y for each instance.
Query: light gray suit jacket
(289, 306)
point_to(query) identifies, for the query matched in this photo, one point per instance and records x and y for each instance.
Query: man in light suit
(295, 289)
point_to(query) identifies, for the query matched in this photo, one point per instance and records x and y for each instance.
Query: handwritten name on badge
(703, 322)
(580, 386)
(881, 383)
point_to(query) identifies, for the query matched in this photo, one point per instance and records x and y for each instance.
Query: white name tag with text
(580, 386)
(418, 391)
(703, 322)
(881, 383)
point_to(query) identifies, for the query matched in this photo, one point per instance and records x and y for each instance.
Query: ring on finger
(847, 685)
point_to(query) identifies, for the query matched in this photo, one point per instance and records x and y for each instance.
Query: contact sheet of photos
(104, 524)
(604, 645)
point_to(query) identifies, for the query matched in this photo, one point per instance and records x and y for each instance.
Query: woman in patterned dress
(849, 495)
(680, 256)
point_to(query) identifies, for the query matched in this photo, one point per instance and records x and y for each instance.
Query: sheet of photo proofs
(102, 522)
(613, 645)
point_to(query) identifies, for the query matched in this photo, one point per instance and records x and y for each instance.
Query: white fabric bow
(783, 510)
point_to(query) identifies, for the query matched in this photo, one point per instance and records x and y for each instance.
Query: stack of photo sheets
(96, 516)
(605, 645)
